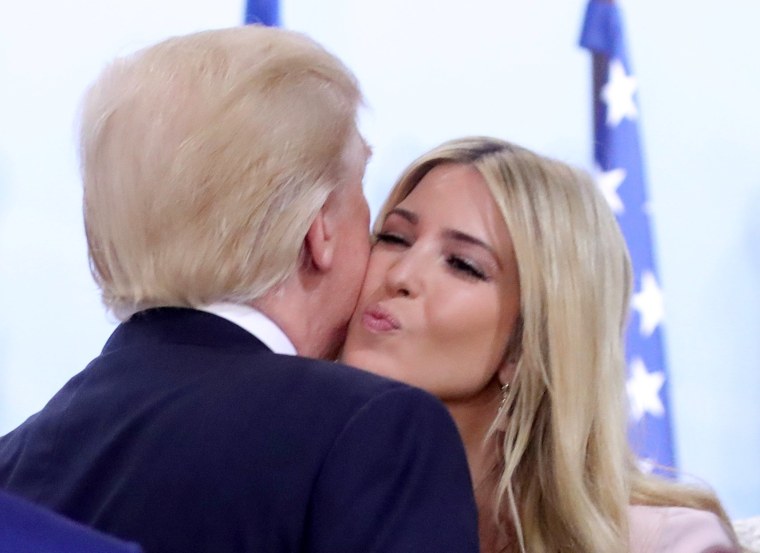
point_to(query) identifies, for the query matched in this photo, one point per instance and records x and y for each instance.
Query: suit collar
(255, 322)
(179, 325)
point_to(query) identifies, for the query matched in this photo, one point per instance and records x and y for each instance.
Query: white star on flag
(649, 303)
(647, 465)
(618, 94)
(644, 390)
(609, 182)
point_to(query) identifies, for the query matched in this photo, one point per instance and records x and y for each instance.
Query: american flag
(266, 12)
(620, 176)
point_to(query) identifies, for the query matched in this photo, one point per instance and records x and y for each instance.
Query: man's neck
(300, 321)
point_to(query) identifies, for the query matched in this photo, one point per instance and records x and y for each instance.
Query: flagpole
(599, 63)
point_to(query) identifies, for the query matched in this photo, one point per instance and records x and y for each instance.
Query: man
(227, 228)
(28, 528)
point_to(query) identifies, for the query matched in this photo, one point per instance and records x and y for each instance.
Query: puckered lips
(377, 318)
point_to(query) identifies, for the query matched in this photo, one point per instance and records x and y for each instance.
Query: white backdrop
(431, 70)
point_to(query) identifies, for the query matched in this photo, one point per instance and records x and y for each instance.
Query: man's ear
(320, 241)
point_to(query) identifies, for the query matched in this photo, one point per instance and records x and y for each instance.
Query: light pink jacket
(677, 530)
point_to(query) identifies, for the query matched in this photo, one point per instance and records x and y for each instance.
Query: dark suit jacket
(28, 528)
(187, 435)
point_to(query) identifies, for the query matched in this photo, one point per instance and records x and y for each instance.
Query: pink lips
(377, 319)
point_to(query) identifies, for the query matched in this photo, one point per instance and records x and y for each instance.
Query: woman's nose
(404, 276)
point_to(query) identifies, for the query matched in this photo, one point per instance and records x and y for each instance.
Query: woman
(500, 282)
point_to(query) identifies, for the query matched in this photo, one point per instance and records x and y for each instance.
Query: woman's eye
(391, 238)
(465, 267)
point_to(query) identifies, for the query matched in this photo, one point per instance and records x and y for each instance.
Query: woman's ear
(507, 372)
(320, 242)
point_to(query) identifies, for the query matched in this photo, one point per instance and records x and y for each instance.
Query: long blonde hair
(566, 472)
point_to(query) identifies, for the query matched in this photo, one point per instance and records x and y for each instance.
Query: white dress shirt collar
(255, 322)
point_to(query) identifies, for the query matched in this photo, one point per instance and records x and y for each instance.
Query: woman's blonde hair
(204, 160)
(566, 475)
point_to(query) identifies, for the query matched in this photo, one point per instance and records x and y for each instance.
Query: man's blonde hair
(205, 159)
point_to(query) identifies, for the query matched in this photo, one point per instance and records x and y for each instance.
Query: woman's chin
(349, 356)
(367, 360)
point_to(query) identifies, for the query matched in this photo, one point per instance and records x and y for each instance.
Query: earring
(504, 394)
(501, 417)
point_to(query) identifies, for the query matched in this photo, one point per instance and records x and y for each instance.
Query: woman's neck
(473, 417)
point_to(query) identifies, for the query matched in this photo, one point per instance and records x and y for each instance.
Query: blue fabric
(188, 435)
(27, 528)
(617, 148)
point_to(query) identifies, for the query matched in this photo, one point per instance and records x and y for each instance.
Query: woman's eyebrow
(410, 216)
(450, 234)
(460, 236)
